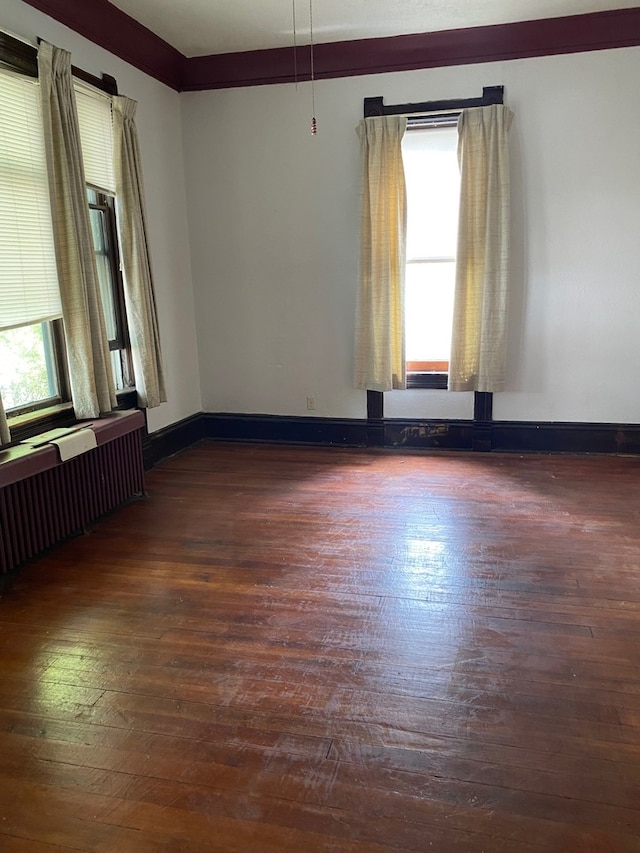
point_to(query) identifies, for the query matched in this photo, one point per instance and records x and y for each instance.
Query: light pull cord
(314, 124)
(295, 45)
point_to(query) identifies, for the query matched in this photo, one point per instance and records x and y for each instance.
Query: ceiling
(204, 27)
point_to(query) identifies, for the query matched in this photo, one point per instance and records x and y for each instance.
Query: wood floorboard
(216, 767)
(286, 649)
(236, 679)
(179, 817)
(13, 844)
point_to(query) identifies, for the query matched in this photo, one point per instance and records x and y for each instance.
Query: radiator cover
(44, 501)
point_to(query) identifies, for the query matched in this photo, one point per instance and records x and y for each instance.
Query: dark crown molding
(571, 34)
(117, 32)
(120, 34)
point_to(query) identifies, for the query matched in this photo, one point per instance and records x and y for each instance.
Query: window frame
(106, 204)
(425, 113)
(28, 420)
(21, 58)
(430, 376)
(56, 362)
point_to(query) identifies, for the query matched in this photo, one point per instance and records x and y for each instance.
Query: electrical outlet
(311, 404)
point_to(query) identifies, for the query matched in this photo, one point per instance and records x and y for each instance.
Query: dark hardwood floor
(290, 650)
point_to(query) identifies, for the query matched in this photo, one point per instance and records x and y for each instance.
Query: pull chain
(295, 45)
(314, 124)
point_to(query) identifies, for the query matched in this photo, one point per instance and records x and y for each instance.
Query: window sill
(31, 423)
(439, 381)
(61, 415)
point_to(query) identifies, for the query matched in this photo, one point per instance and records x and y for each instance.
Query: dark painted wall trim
(515, 436)
(286, 429)
(527, 437)
(111, 28)
(117, 32)
(571, 34)
(482, 421)
(505, 436)
(375, 416)
(429, 434)
(160, 445)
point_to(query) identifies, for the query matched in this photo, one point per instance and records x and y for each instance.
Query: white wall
(158, 119)
(273, 222)
(273, 228)
(268, 210)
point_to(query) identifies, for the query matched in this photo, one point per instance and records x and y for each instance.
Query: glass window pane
(429, 292)
(433, 188)
(97, 230)
(103, 265)
(116, 366)
(27, 372)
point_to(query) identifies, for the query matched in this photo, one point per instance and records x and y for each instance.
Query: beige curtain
(92, 386)
(379, 339)
(138, 283)
(480, 308)
(5, 436)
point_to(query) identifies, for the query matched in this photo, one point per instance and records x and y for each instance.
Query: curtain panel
(92, 386)
(478, 347)
(142, 317)
(379, 338)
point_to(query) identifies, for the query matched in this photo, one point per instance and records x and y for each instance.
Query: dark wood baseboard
(501, 436)
(505, 436)
(557, 437)
(166, 442)
(284, 429)
(513, 436)
(432, 434)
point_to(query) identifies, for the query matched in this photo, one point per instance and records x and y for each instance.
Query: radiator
(44, 501)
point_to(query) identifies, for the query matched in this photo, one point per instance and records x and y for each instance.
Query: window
(32, 360)
(478, 324)
(33, 369)
(105, 245)
(429, 152)
(96, 134)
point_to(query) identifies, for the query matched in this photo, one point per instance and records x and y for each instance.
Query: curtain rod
(376, 107)
(23, 57)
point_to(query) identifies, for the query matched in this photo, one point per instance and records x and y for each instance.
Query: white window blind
(28, 279)
(96, 136)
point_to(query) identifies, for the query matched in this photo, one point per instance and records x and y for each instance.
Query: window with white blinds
(96, 136)
(28, 278)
